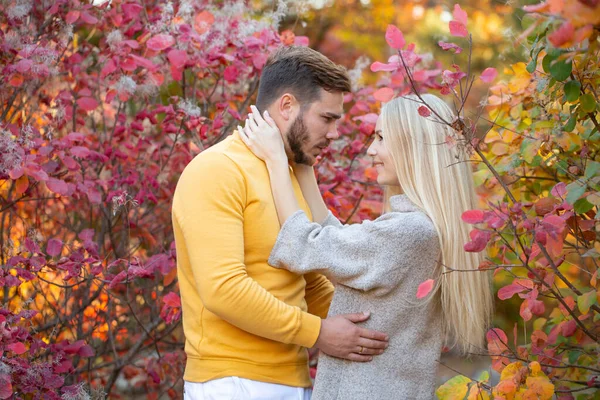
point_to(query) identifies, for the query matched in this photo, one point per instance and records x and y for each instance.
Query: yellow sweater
(241, 317)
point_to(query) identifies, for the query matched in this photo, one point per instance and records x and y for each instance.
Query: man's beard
(297, 136)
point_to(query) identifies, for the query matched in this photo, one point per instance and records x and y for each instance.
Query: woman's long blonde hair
(438, 179)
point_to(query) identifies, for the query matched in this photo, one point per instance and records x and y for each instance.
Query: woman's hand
(263, 138)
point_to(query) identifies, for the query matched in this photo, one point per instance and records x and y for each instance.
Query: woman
(378, 265)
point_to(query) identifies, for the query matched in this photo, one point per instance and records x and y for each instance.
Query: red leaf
(479, 240)
(425, 288)
(424, 111)
(496, 334)
(23, 65)
(160, 42)
(394, 37)
(80, 151)
(518, 286)
(87, 103)
(450, 46)
(172, 299)
(473, 216)
(88, 18)
(57, 186)
(143, 62)
(563, 35)
(384, 94)
(16, 172)
(459, 15)
(559, 190)
(86, 351)
(17, 348)
(379, 66)
(131, 10)
(230, 74)
(177, 58)
(568, 328)
(36, 172)
(301, 41)
(6, 390)
(259, 60)
(71, 17)
(489, 74)
(54, 247)
(458, 29)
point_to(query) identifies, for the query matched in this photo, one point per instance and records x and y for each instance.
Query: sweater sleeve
(209, 207)
(371, 255)
(318, 294)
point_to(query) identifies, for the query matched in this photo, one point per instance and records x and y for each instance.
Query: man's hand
(340, 337)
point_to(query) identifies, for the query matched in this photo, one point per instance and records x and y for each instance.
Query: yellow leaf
(478, 394)
(454, 389)
(511, 370)
(539, 388)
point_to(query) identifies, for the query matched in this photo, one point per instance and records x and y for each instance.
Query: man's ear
(288, 106)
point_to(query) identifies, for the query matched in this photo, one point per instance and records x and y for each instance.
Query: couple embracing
(257, 251)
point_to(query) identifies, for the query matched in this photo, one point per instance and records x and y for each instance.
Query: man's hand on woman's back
(340, 337)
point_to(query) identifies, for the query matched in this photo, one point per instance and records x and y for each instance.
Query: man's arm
(209, 209)
(319, 292)
(208, 205)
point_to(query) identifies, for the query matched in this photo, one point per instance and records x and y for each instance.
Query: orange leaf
(22, 184)
(169, 277)
(203, 22)
(16, 80)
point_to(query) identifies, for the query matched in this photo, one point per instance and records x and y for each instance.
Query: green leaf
(484, 377)
(573, 357)
(546, 61)
(536, 162)
(529, 150)
(570, 125)
(561, 70)
(585, 301)
(591, 169)
(582, 206)
(531, 66)
(574, 192)
(588, 103)
(572, 90)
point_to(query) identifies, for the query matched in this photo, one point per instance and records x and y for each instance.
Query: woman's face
(382, 161)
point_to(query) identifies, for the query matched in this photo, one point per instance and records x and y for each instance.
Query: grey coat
(378, 266)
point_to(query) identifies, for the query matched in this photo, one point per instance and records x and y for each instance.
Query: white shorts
(234, 388)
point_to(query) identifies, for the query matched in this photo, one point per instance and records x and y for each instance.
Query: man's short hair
(302, 72)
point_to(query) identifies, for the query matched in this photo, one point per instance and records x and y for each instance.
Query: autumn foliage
(535, 143)
(102, 106)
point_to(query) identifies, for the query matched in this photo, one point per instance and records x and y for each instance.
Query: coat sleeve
(371, 255)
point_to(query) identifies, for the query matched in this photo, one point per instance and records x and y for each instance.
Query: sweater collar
(401, 203)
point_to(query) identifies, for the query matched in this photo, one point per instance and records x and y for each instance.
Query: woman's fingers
(251, 122)
(270, 120)
(256, 114)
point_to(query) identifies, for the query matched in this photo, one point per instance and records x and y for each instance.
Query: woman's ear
(288, 106)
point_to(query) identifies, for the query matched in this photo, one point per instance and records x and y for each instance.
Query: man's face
(315, 127)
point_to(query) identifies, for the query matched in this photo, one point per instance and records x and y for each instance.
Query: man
(248, 325)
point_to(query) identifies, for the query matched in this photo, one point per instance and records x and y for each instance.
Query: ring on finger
(360, 351)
